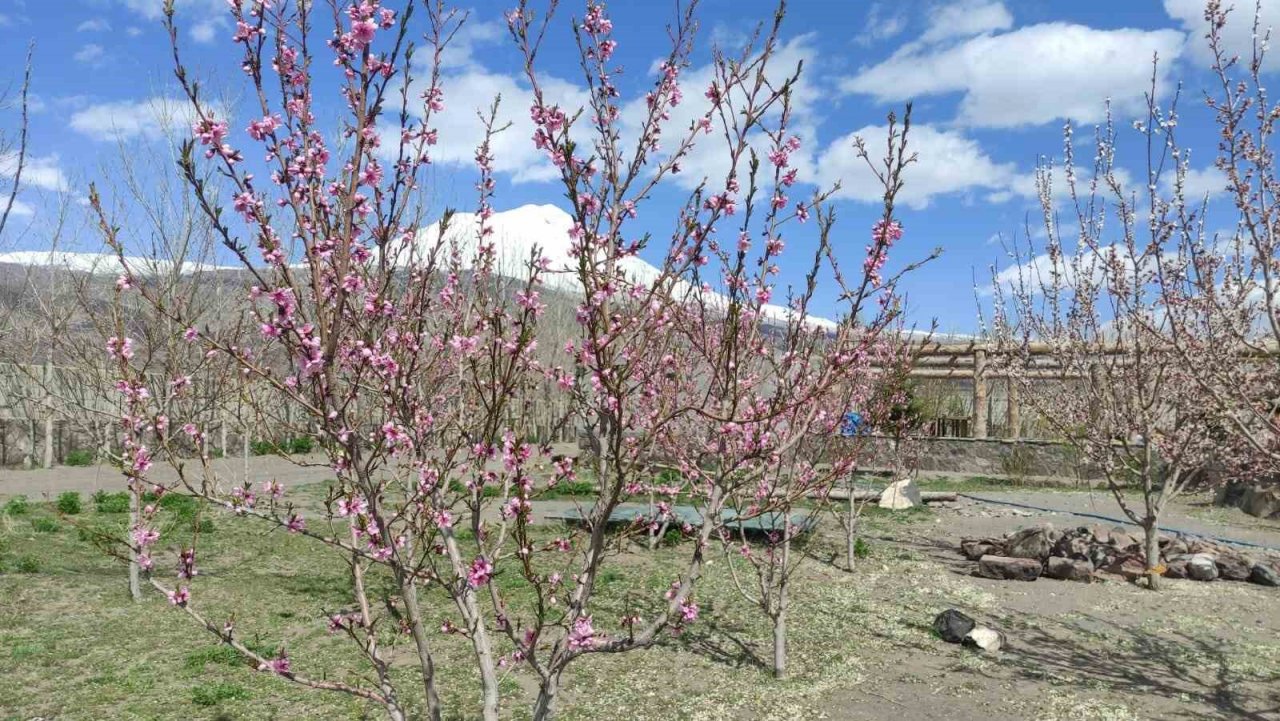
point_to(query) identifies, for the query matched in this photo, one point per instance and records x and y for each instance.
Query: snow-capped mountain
(107, 263)
(515, 234)
(518, 231)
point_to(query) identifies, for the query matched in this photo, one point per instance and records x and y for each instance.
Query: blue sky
(993, 83)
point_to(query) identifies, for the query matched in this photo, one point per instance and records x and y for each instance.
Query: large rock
(1035, 542)
(1264, 575)
(973, 550)
(1260, 502)
(1009, 569)
(1122, 539)
(1101, 556)
(1233, 567)
(1069, 569)
(901, 495)
(1132, 568)
(1201, 567)
(1176, 569)
(1074, 544)
(952, 626)
(987, 639)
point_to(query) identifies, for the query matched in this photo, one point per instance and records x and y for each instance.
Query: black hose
(1085, 514)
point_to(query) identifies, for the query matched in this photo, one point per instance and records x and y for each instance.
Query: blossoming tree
(409, 352)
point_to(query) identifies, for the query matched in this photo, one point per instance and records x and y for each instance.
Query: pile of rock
(1078, 554)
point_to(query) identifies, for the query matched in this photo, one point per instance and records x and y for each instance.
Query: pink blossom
(481, 571)
(582, 635)
(180, 597)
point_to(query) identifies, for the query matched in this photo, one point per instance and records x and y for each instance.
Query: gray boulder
(1233, 567)
(1009, 569)
(1068, 569)
(953, 626)
(1201, 567)
(1260, 502)
(901, 495)
(1035, 542)
(1264, 575)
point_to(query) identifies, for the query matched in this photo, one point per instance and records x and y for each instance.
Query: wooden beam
(980, 393)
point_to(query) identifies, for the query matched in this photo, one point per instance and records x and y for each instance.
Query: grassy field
(72, 646)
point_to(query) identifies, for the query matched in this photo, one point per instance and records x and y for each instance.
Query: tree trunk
(780, 643)
(1152, 531)
(544, 708)
(410, 593)
(780, 618)
(135, 515)
(484, 659)
(850, 532)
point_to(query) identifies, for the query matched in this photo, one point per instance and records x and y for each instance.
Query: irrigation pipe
(1125, 521)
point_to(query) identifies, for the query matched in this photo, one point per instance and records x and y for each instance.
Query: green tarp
(629, 512)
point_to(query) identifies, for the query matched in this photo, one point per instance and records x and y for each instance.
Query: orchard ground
(72, 646)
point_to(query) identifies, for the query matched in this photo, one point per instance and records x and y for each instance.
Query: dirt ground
(862, 645)
(1106, 650)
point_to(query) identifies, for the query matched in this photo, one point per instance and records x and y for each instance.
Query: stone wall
(984, 457)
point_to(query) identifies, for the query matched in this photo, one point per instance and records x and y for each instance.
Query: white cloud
(154, 9)
(966, 19)
(133, 31)
(1197, 184)
(38, 172)
(90, 54)
(1032, 75)
(131, 119)
(472, 35)
(206, 31)
(93, 25)
(1237, 36)
(948, 162)
(881, 24)
(20, 209)
(709, 158)
(469, 90)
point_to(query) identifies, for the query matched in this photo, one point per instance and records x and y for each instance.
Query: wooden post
(1015, 411)
(979, 393)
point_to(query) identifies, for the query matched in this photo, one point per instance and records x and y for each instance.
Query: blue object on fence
(853, 425)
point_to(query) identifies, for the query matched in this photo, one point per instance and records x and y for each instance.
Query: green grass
(212, 694)
(117, 502)
(72, 644)
(79, 457)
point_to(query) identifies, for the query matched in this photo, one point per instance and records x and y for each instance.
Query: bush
(81, 457)
(44, 525)
(489, 491)
(27, 564)
(117, 502)
(204, 526)
(861, 549)
(301, 444)
(17, 506)
(68, 503)
(211, 694)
